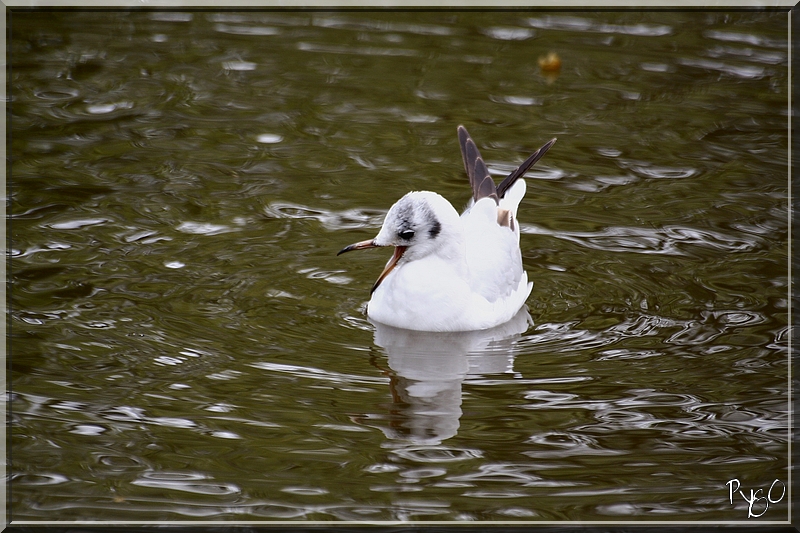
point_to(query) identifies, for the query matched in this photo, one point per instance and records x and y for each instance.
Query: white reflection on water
(246, 30)
(332, 220)
(340, 22)
(747, 38)
(430, 367)
(746, 72)
(508, 33)
(187, 482)
(359, 50)
(667, 240)
(203, 228)
(568, 23)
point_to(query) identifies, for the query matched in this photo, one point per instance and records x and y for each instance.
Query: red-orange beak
(398, 253)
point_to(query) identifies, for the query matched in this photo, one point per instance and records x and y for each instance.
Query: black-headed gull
(451, 272)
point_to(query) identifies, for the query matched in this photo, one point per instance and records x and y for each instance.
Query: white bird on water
(451, 272)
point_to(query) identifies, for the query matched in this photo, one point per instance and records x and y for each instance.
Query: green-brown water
(184, 343)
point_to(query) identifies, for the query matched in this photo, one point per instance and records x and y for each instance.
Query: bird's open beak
(398, 253)
(358, 246)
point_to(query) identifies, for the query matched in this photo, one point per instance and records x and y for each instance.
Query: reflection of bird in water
(451, 273)
(427, 369)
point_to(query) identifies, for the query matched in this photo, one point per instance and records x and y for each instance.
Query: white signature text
(757, 502)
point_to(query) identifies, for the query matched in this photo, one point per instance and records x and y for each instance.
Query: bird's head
(417, 225)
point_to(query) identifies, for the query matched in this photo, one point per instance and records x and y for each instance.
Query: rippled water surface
(185, 344)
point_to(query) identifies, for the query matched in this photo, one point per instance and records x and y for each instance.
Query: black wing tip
(524, 167)
(477, 171)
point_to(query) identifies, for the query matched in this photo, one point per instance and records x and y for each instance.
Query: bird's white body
(451, 272)
(473, 281)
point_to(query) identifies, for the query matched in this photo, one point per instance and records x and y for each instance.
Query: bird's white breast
(431, 290)
(421, 296)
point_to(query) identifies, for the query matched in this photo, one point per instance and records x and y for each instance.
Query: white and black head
(420, 223)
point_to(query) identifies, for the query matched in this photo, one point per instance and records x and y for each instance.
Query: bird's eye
(406, 234)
